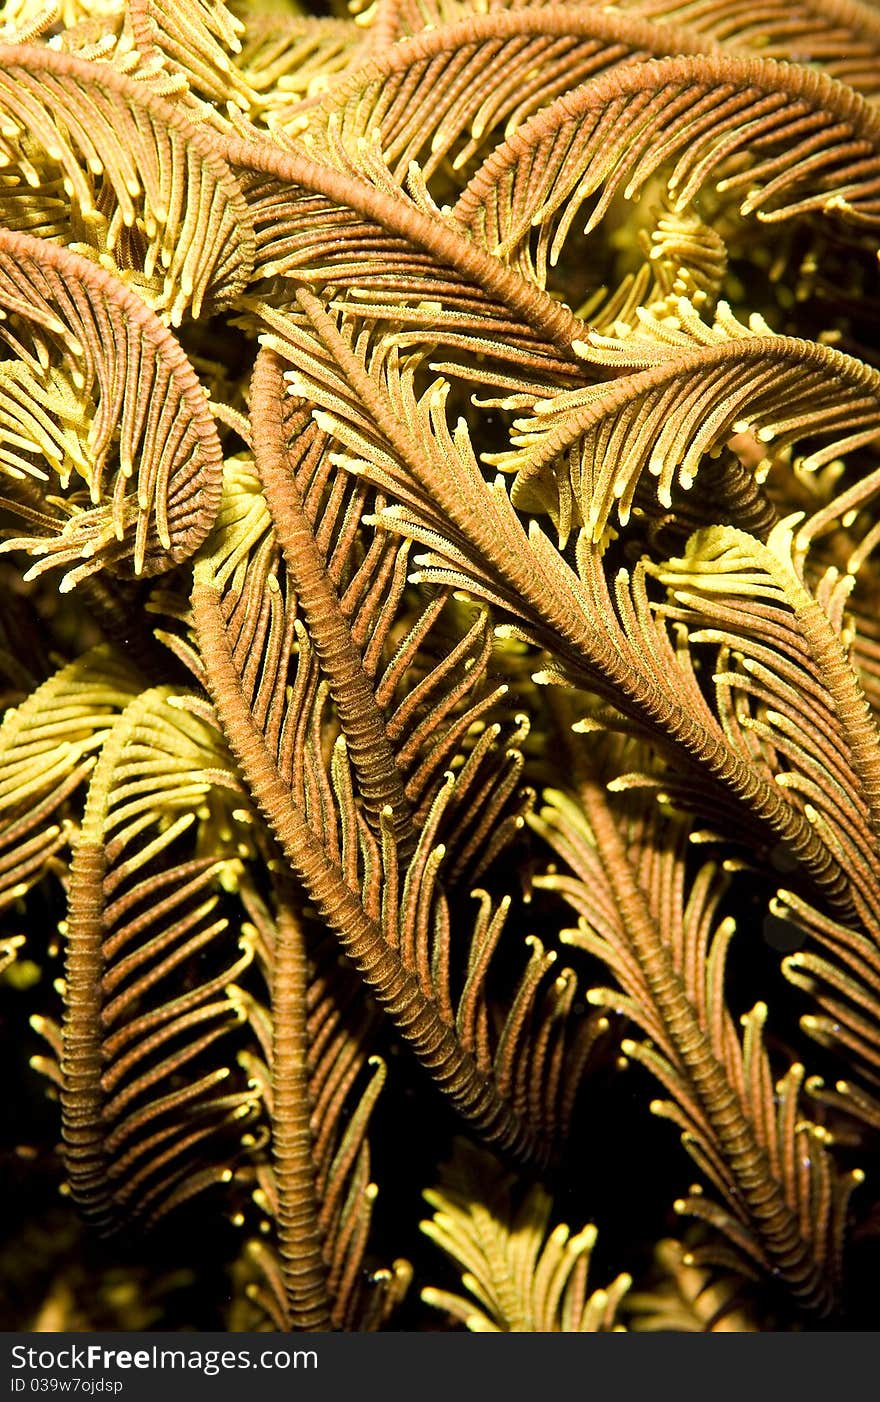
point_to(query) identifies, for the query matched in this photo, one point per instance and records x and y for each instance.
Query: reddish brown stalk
(362, 721)
(530, 304)
(434, 1041)
(593, 649)
(299, 1237)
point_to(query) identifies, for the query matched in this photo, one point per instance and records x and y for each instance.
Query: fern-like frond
(785, 140)
(841, 36)
(48, 747)
(102, 393)
(198, 39)
(319, 1087)
(446, 95)
(685, 1299)
(786, 692)
(293, 460)
(521, 1275)
(475, 541)
(383, 892)
(149, 961)
(104, 163)
(682, 403)
(783, 1201)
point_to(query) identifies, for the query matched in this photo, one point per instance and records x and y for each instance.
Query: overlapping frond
(99, 161)
(600, 639)
(626, 254)
(781, 140)
(101, 393)
(447, 94)
(840, 35)
(383, 887)
(691, 389)
(357, 229)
